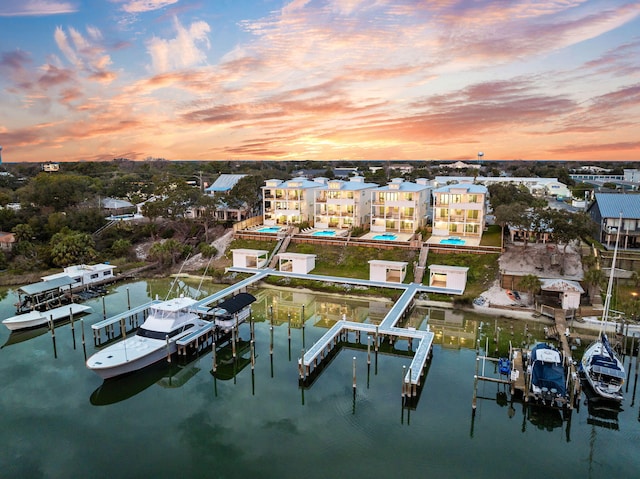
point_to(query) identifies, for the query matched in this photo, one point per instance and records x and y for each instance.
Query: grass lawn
(491, 237)
(483, 270)
(352, 261)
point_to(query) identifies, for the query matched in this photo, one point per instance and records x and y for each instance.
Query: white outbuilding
(249, 258)
(387, 271)
(296, 262)
(568, 291)
(453, 278)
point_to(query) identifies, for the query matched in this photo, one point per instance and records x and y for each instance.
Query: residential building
(606, 210)
(400, 206)
(459, 210)
(7, 240)
(288, 202)
(223, 184)
(536, 186)
(343, 204)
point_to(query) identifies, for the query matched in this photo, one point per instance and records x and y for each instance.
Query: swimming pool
(323, 233)
(453, 240)
(269, 229)
(386, 236)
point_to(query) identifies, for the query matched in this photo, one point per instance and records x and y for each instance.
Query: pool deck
(468, 241)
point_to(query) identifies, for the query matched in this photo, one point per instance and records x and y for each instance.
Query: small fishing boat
(547, 376)
(232, 311)
(600, 365)
(35, 319)
(155, 339)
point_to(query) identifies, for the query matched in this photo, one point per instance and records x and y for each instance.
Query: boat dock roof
(44, 286)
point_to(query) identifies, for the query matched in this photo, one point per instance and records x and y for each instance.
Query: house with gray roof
(400, 206)
(606, 210)
(343, 204)
(459, 210)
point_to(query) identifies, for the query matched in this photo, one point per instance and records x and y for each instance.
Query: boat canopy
(615, 373)
(549, 374)
(236, 303)
(44, 286)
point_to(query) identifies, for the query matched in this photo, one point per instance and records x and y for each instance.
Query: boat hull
(36, 319)
(601, 387)
(114, 361)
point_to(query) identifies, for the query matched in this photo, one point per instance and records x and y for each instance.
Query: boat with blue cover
(547, 377)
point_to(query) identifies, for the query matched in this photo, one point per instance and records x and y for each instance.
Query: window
(472, 214)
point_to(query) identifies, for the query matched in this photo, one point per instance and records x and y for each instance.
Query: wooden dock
(314, 357)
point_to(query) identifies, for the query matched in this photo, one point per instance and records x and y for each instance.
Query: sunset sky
(319, 80)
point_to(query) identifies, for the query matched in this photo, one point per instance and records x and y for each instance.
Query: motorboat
(600, 365)
(155, 339)
(232, 311)
(547, 376)
(35, 319)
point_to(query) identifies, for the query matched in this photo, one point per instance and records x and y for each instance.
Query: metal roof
(43, 286)
(115, 204)
(236, 303)
(612, 204)
(224, 183)
(469, 187)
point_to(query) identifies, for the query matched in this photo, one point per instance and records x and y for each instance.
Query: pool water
(323, 233)
(452, 240)
(385, 236)
(269, 229)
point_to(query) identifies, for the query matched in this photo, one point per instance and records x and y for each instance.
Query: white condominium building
(400, 206)
(288, 202)
(459, 210)
(343, 204)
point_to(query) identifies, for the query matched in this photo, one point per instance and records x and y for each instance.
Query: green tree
(595, 279)
(120, 247)
(167, 252)
(71, 247)
(531, 284)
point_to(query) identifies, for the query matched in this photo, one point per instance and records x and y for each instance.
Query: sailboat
(600, 364)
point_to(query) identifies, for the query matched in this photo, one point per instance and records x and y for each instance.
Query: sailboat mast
(607, 300)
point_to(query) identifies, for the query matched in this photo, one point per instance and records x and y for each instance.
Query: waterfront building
(606, 210)
(288, 202)
(459, 210)
(343, 204)
(536, 186)
(400, 206)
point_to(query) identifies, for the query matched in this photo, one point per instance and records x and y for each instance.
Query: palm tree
(595, 279)
(531, 284)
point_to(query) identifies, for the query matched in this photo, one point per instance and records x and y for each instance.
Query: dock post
(404, 375)
(475, 388)
(271, 340)
(128, 299)
(253, 355)
(213, 356)
(73, 330)
(123, 328)
(289, 324)
(354, 373)
(368, 349)
(376, 339)
(53, 336)
(104, 309)
(233, 342)
(168, 349)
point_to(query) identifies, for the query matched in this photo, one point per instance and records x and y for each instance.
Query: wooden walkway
(321, 349)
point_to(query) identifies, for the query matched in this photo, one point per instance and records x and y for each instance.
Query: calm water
(59, 419)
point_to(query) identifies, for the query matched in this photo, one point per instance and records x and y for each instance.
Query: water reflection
(16, 337)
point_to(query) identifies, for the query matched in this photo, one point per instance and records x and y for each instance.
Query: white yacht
(155, 339)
